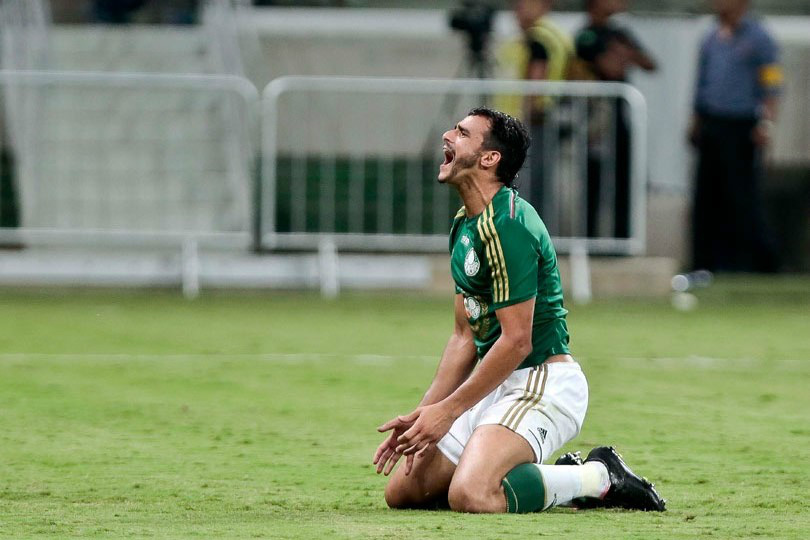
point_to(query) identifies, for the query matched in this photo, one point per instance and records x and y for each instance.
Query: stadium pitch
(253, 415)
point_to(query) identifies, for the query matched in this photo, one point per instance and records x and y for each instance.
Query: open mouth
(448, 155)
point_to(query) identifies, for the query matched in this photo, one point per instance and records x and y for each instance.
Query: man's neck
(477, 194)
(598, 18)
(535, 22)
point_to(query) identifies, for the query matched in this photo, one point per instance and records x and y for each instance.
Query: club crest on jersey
(471, 263)
(472, 307)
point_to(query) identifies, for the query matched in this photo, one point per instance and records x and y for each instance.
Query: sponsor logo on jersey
(472, 307)
(465, 240)
(471, 263)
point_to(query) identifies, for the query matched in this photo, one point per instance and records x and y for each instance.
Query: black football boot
(571, 458)
(626, 490)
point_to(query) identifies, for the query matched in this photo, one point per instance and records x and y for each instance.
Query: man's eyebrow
(464, 131)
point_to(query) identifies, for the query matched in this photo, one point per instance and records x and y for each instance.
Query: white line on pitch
(291, 357)
(692, 361)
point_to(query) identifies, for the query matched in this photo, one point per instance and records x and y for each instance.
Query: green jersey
(502, 257)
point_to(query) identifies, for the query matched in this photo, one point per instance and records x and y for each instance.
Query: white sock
(564, 483)
(595, 480)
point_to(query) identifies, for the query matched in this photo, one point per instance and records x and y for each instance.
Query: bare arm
(635, 53)
(770, 108)
(458, 359)
(455, 366)
(511, 348)
(432, 422)
(763, 131)
(643, 60)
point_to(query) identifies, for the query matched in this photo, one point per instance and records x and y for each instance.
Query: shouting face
(462, 148)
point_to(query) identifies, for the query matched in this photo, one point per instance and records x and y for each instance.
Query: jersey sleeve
(770, 73)
(701, 78)
(513, 258)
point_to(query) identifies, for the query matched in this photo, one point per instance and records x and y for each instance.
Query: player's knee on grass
(396, 496)
(397, 493)
(475, 497)
(403, 492)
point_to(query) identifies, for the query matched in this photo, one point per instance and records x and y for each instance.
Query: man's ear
(490, 159)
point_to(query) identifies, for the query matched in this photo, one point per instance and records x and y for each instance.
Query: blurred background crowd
(726, 140)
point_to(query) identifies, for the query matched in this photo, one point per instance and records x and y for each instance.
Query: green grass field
(253, 415)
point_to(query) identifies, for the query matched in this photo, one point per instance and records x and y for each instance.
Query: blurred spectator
(116, 11)
(605, 52)
(144, 11)
(738, 83)
(543, 52)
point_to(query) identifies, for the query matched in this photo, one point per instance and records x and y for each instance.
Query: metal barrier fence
(354, 161)
(130, 159)
(155, 159)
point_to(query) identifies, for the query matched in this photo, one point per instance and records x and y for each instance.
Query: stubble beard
(463, 166)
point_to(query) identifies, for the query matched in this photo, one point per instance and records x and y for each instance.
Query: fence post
(580, 273)
(190, 269)
(328, 268)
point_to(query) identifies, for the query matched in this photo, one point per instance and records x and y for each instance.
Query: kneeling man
(480, 436)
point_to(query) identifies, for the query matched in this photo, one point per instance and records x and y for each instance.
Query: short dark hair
(508, 136)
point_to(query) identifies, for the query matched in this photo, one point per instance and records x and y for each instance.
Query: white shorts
(545, 405)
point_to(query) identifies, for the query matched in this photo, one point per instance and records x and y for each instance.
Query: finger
(378, 453)
(410, 447)
(411, 417)
(391, 462)
(383, 459)
(410, 434)
(416, 448)
(400, 421)
(391, 424)
(422, 452)
(408, 465)
(410, 450)
(386, 444)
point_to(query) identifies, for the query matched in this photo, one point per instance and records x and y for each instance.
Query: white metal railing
(354, 160)
(148, 160)
(135, 159)
(343, 138)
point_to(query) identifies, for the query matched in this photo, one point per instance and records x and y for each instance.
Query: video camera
(475, 18)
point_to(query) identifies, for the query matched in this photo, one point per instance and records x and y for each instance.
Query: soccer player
(479, 436)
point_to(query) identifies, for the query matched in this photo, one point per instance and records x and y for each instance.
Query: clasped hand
(412, 435)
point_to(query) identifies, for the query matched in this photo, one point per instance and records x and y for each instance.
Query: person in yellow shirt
(542, 52)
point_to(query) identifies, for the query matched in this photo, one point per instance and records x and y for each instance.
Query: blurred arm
(636, 54)
(643, 60)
